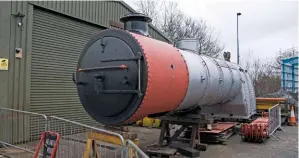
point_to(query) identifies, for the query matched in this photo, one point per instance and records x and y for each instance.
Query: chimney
(137, 23)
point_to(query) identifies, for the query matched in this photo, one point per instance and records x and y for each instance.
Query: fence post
(279, 114)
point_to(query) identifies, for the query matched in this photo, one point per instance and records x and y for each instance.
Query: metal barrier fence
(75, 137)
(274, 115)
(134, 151)
(21, 129)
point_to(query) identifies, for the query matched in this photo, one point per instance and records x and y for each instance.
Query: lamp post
(238, 55)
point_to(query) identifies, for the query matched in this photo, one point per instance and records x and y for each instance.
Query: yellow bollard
(147, 122)
(157, 123)
(139, 123)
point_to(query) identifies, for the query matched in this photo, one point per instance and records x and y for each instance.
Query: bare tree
(284, 54)
(149, 8)
(171, 20)
(175, 25)
(264, 77)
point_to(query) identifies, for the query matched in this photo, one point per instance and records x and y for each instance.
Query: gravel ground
(285, 147)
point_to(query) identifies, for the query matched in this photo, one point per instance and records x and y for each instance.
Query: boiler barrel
(123, 77)
(211, 81)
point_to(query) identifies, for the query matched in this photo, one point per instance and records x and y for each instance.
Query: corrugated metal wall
(14, 89)
(5, 27)
(57, 42)
(13, 81)
(98, 12)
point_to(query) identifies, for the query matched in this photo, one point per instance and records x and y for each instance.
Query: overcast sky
(265, 26)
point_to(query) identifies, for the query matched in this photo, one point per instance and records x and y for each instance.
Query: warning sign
(3, 64)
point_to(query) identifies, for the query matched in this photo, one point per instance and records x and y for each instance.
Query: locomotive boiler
(125, 75)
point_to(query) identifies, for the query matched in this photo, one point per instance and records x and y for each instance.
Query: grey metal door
(57, 42)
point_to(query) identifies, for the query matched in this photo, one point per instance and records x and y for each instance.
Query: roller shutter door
(57, 42)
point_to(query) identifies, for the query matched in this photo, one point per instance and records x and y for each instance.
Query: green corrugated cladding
(41, 80)
(57, 42)
(14, 83)
(98, 12)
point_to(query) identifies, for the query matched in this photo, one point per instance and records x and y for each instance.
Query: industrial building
(289, 74)
(40, 43)
(80, 76)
